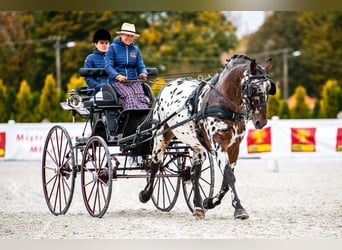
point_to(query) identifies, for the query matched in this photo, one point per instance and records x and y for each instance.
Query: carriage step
(81, 140)
(112, 138)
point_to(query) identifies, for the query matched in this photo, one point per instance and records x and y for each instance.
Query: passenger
(101, 39)
(124, 64)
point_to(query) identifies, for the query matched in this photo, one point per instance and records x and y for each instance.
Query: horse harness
(220, 111)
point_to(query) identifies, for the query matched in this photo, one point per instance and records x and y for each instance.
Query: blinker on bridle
(249, 85)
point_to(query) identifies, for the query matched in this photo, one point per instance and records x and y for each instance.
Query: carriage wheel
(58, 170)
(167, 183)
(96, 176)
(206, 182)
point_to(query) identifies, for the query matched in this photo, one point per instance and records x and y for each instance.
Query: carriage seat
(107, 97)
(110, 98)
(118, 121)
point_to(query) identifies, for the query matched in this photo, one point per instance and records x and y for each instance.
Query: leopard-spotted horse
(211, 116)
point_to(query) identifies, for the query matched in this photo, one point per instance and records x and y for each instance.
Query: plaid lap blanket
(132, 94)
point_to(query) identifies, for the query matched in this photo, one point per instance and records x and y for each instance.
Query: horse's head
(256, 86)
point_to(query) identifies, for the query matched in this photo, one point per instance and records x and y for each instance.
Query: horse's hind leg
(160, 144)
(198, 210)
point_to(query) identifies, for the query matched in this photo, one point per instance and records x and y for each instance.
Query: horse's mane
(237, 59)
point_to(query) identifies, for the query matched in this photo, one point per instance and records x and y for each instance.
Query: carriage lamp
(74, 100)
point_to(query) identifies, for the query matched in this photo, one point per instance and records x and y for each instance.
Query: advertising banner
(259, 140)
(339, 140)
(2, 144)
(321, 138)
(303, 139)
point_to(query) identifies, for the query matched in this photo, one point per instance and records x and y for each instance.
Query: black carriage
(119, 146)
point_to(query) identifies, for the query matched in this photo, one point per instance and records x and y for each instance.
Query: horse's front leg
(145, 194)
(212, 202)
(229, 179)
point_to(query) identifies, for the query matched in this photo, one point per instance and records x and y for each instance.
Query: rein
(220, 111)
(219, 96)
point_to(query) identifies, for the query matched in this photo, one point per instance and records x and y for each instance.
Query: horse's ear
(268, 65)
(253, 67)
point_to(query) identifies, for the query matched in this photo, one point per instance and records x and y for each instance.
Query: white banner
(325, 136)
(25, 141)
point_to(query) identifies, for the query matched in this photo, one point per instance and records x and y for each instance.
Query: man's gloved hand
(143, 76)
(121, 78)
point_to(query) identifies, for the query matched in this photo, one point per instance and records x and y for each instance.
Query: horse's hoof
(144, 197)
(208, 203)
(241, 214)
(198, 213)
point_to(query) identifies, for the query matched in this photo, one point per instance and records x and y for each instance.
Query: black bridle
(251, 88)
(250, 84)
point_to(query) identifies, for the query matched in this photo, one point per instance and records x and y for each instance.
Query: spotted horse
(210, 115)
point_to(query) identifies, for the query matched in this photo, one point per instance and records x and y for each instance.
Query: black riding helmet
(101, 34)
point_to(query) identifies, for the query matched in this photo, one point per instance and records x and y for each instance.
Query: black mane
(237, 59)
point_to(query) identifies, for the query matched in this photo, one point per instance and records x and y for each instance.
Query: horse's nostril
(259, 124)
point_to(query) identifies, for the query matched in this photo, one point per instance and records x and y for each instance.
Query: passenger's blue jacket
(124, 60)
(95, 60)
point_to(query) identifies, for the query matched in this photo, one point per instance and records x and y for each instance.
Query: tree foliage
(274, 105)
(331, 94)
(187, 41)
(300, 108)
(49, 107)
(75, 82)
(23, 103)
(284, 110)
(318, 37)
(321, 48)
(3, 101)
(177, 42)
(16, 48)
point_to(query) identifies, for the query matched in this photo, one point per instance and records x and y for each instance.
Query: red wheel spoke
(96, 176)
(58, 170)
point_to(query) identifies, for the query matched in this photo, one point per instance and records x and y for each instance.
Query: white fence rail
(25, 141)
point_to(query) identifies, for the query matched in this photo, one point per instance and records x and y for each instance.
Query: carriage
(172, 144)
(118, 147)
